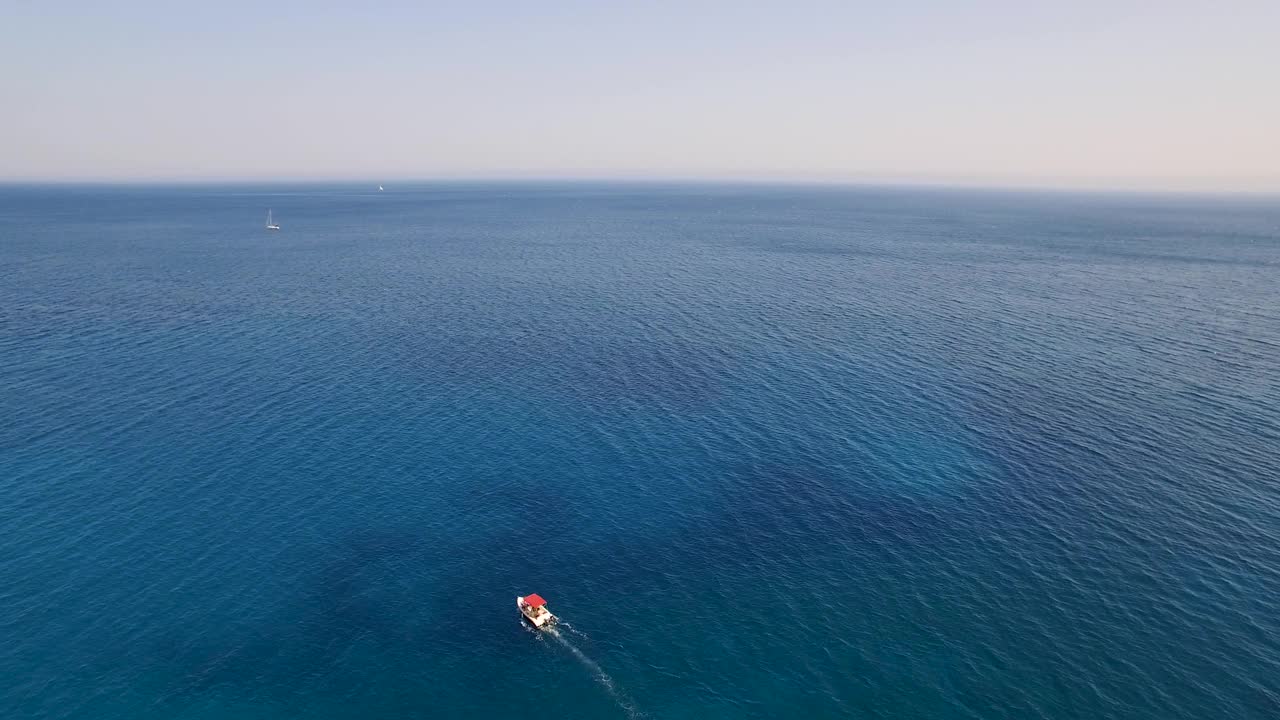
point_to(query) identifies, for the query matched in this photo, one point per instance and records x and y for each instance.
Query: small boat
(379, 188)
(270, 223)
(534, 609)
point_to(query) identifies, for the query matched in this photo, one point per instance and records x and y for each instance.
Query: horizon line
(1119, 187)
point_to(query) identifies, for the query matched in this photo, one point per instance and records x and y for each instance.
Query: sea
(768, 452)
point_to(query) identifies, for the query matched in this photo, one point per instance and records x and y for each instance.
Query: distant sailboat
(271, 225)
(379, 188)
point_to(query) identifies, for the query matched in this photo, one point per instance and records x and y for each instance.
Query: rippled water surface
(772, 452)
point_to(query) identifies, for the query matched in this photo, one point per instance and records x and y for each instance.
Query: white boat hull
(539, 617)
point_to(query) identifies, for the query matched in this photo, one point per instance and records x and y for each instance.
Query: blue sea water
(770, 451)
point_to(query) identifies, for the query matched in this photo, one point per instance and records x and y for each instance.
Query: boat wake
(598, 672)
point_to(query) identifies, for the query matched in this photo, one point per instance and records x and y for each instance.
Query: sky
(1174, 94)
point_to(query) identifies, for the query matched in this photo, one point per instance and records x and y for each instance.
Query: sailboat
(379, 188)
(271, 225)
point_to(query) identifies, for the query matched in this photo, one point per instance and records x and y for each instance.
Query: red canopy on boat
(534, 600)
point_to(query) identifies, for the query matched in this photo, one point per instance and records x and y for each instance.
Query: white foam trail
(601, 676)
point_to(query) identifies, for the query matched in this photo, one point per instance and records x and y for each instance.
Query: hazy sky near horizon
(1091, 93)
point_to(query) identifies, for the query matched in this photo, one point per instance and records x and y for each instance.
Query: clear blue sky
(1090, 93)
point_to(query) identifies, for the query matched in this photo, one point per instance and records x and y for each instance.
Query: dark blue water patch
(367, 605)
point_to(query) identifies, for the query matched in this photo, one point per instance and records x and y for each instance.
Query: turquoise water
(771, 452)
